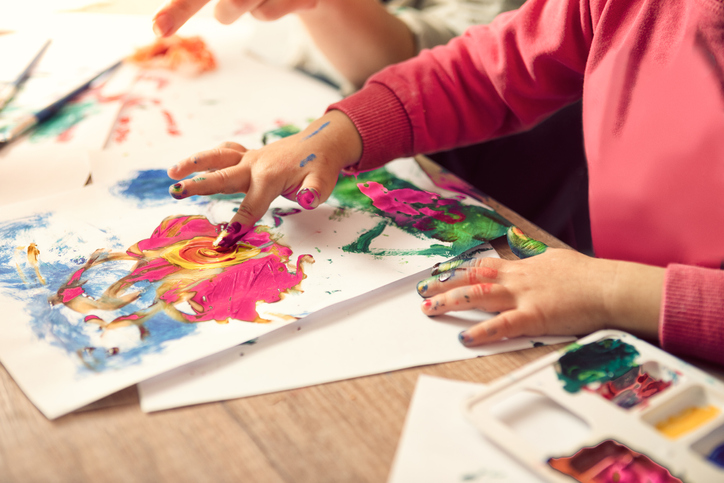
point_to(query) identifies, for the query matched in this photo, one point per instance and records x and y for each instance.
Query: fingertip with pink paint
(308, 198)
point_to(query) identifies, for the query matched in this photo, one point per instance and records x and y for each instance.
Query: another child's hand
(174, 13)
(560, 292)
(303, 167)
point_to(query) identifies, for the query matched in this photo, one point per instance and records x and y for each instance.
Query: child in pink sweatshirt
(651, 76)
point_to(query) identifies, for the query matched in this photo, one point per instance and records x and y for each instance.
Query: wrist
(634, 301)
(342, 141)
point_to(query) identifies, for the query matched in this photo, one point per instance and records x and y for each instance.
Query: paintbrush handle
(11, 89)
(49, 111)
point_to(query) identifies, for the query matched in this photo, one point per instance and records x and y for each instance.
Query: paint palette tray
(608, 408)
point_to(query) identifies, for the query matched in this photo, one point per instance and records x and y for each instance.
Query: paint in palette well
(637, 385)
(687, 420)
(610, 461)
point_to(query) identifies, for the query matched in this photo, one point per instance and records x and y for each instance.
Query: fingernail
(308, 198)
(465, 338)
(162, 25)
(438, 268)
(178, 191)
(229, 235)
(522, 245)
(427, 303)
(423, 285)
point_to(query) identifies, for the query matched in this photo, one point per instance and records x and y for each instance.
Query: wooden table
(338, 432)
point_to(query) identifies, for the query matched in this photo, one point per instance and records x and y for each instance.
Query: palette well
(609, 408)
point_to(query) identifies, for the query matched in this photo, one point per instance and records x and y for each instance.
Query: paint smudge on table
(610, 461)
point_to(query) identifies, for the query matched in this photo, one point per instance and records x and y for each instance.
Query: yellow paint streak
(33, 254)
(241, 253)
(687, 420)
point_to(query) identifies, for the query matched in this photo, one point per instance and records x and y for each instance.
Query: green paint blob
(422, 214)
(600, 361)
(64, 119)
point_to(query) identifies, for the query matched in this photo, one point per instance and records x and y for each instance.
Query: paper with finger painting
(50, 158)
(111, 284)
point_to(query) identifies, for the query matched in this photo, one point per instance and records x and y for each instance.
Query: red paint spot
(171, 126)
(122, 129)
(66, 135)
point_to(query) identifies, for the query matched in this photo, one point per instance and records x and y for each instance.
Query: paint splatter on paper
(185, 54)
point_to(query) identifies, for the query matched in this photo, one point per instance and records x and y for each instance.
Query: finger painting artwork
(111, 284)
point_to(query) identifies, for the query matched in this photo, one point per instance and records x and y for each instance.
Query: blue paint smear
(320, 128)
(306, 160)
(59, 326)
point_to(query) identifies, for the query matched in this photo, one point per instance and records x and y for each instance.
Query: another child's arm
(304, 167)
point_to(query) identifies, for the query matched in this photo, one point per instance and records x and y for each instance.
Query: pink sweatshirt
(651, 74)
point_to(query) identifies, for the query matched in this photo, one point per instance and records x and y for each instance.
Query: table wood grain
(338, 432)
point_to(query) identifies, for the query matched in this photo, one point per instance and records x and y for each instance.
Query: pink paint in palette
(609, 408)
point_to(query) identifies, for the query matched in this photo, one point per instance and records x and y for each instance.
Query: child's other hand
(174, 13)
(303, 167)
(560, 292)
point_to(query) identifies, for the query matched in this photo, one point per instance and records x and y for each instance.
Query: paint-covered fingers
(522, 245)
(467, 272)
(224, 156)
(173, 14)
(488, 296)
(509, 324)
(227, 181)
(315, 190)
(256, 203)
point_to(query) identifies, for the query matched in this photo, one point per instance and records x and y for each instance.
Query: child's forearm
(359, 37)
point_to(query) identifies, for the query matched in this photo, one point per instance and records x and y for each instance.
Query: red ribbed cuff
(692, 312)
(382, 121)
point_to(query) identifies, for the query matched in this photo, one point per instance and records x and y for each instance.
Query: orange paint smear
(176, 53)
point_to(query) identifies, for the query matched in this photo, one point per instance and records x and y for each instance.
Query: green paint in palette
(600, 361)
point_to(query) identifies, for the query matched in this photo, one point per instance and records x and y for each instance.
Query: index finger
(173, 14)
(256, 202)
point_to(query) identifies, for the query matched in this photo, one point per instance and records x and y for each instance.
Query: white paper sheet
(380, 331)
(438, 444)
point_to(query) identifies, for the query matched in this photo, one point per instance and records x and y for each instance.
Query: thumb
(522, 245)
(315, 190)
(252, 208)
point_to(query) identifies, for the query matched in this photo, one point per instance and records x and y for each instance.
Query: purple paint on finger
(178, 192)
(230, 235)
(308, 198)
(306, 160)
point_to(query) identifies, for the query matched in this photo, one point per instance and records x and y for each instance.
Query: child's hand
(174, 13)
(560, 292)
(303, 167)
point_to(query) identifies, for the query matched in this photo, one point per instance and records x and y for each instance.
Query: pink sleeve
(692, 313)
(492, 81)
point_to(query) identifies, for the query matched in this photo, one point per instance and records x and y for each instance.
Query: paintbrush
(9, 91)
(31, 120)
